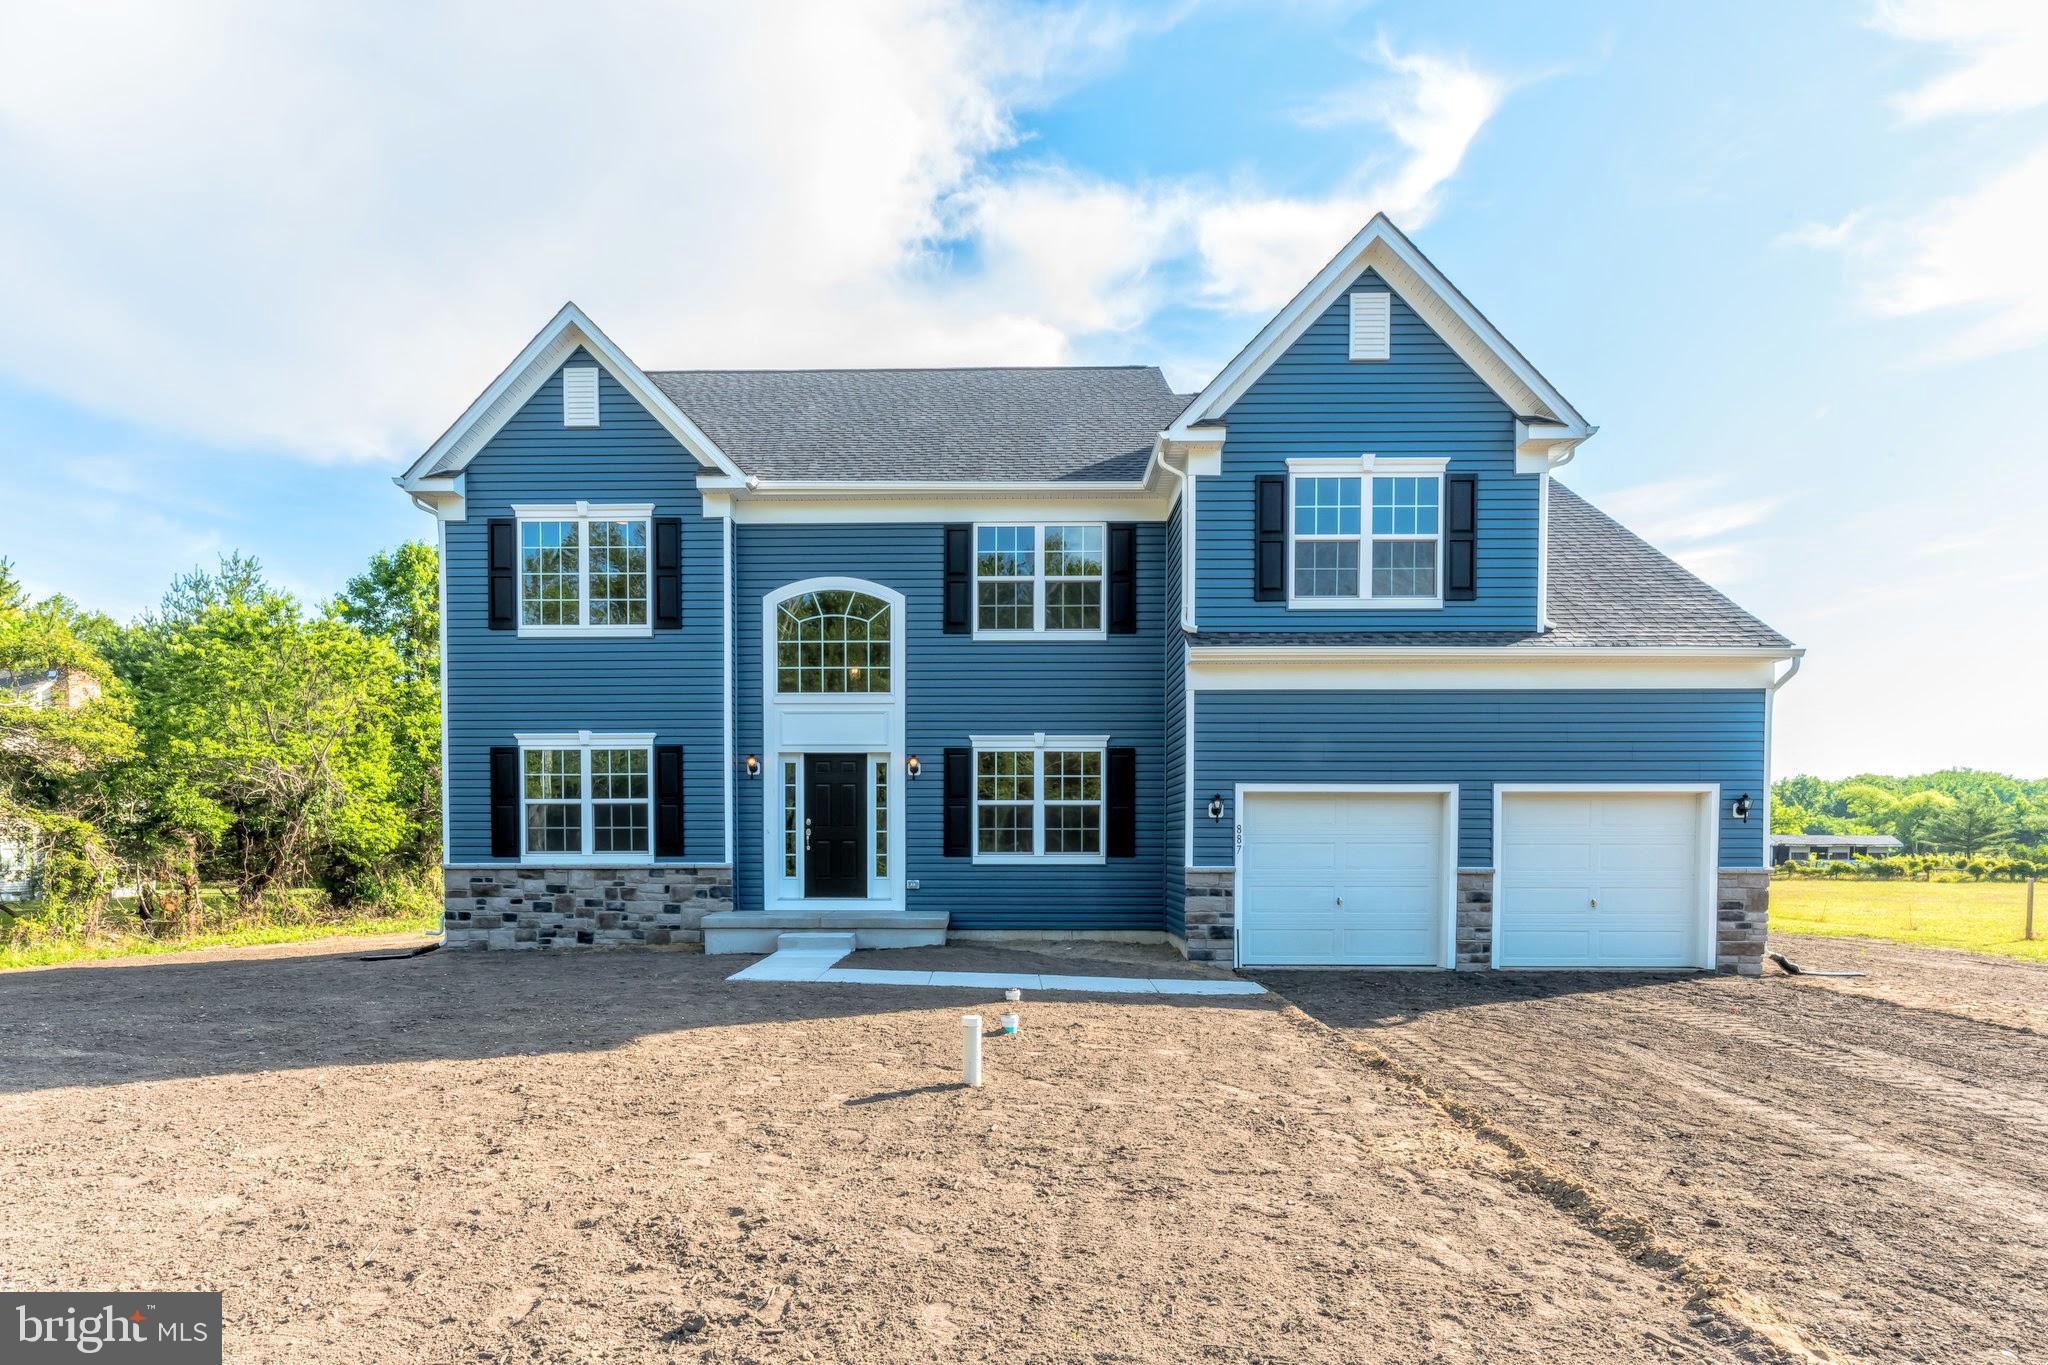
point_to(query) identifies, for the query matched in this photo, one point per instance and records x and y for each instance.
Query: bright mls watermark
(164, 1329)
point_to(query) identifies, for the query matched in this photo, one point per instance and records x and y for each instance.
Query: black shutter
(959, 580)
(504, 803)
(668, 573)
(1121, 839)
(503, 564)
(959, 803)
(1461, 538)
(1123, 579)
(1269, 538)
(668, 800)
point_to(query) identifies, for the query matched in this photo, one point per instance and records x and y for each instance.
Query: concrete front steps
(760, 931)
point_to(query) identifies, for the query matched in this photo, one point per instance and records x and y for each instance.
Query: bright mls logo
(164, 1329)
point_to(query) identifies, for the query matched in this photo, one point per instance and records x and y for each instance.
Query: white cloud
(2002, 47)
(323, 230)
(1697, 523)
(1822, 236)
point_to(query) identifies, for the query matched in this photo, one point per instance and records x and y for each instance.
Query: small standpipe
(970, 1037)
(1012, 996)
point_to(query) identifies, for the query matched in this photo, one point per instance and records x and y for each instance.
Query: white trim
(1406, 271)
(1542, 550)
(1533, 669)
(857, 504)
(1039, 630)
(1190, 520)
(1447, 871)
(1707, 853)
(1770, 712)
(1039, 745)
(583, 742)
(581, 511)
(1187, 768)
(1366, 468)
(441, 625)
(569, 329)
(725, 667)
(800, 723)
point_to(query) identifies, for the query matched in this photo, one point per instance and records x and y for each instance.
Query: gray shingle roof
(1089, 425)
(1609, 588)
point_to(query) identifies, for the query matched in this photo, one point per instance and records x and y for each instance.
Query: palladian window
(832, 642)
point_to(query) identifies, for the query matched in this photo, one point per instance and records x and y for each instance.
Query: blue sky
(1785, 256)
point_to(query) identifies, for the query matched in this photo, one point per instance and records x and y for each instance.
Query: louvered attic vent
(1372, 336)
(579, 396)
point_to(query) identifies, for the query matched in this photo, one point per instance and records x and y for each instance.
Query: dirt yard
(618, 1156)
(1867, 1159)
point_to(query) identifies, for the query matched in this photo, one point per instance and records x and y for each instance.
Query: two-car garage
(1584, 876)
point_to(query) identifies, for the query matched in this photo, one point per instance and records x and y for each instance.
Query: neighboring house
(1801, 848)
(1318, 665)
(68, 688)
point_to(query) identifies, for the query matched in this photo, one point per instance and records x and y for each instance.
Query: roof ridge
(916, 369)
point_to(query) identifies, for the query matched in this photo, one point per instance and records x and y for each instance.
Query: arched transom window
(832, 641)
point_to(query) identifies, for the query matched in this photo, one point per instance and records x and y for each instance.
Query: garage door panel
(1610, 879)
(1349, 878)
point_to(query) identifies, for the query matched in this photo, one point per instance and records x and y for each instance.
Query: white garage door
(1607, 879)
(1341, 878)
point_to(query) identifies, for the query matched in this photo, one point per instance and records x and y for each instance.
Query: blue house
(1319, 665)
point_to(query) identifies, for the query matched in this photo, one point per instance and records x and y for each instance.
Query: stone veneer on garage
(496, 906)
(1741, 918)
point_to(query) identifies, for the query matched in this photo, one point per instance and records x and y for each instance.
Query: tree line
(1957, 810)
(242, 739)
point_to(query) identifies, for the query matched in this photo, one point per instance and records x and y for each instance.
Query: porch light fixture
(1216, 806)
(912, 767)
(1740, 810)
(753, 765)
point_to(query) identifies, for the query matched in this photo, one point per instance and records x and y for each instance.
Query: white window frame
(585, 741)
(1039, 745)
(1366, 468)
(584, 513)
(1038, 628)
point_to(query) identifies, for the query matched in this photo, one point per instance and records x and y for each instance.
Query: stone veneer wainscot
(495, 906)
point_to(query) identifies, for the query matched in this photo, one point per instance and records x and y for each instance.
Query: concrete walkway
(810, 957)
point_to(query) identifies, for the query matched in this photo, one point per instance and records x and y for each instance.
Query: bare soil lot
(618, 1156)
(1869, 1158)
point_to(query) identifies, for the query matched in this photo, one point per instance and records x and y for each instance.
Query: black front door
(835, 826)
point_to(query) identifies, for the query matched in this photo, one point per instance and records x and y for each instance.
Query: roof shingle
(1079, 424)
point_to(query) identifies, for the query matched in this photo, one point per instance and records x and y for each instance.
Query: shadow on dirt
(155, 1021)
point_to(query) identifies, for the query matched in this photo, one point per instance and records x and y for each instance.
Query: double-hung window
(1039, 579)
(1038, 798)
(583, 569)
(586, 797)
(1366, 533)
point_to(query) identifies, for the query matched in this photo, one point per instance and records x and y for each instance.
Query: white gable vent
(1372, 334)
(579, 396)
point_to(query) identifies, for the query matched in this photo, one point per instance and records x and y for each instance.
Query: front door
(835, 826)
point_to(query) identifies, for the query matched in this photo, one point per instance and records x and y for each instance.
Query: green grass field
(1979, 917)
(50, 954)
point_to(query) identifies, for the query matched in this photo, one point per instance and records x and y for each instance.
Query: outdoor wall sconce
(753, 765)
(913, 767)
(1216, 807)
(1740, 810)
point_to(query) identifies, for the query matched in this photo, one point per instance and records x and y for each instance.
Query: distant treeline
(1958, 810)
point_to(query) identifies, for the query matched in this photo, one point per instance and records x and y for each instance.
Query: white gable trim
(1422, 286)
(555, 343)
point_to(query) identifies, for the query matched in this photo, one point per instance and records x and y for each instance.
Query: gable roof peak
(1382, 247)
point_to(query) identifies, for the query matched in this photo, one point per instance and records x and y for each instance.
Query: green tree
(268, 739)
(398, 601)
(1969, 825)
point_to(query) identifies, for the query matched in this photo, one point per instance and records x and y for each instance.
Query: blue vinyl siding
(1477, 739)
(669, 683)
(1174, 808)
(960, 686)
(1316, 402)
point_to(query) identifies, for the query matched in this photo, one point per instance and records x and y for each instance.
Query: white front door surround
(1605, 875)
(792, 725)
(1350, 874)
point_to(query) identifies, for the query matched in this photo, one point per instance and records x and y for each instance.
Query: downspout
(1187, 550)
(1770, 710)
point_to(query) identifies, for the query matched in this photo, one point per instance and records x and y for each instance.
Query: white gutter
(1363, 652)
(1798, 657)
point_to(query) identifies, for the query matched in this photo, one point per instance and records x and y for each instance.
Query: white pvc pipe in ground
(970, 1031)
